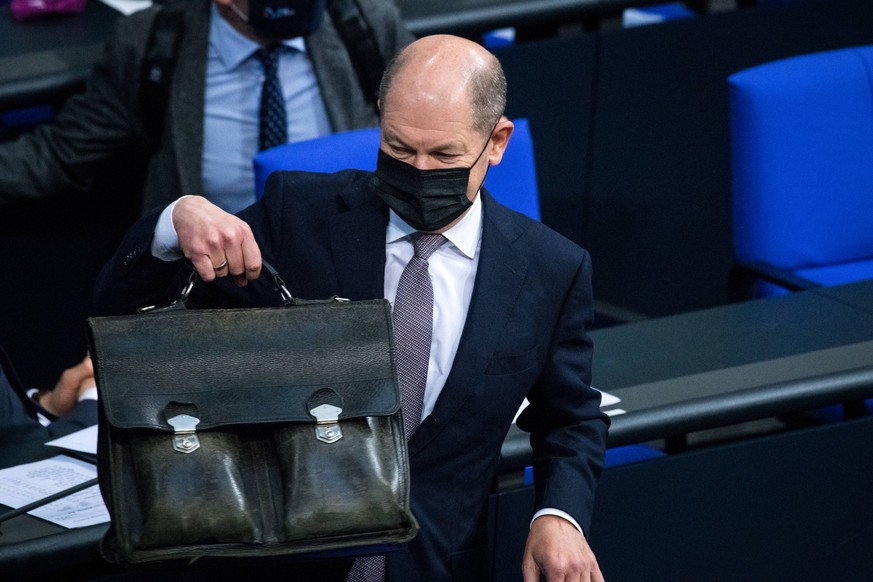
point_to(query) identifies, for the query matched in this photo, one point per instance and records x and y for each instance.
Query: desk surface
(728, 336)
(26, 541)
(731, 364)
(470, 17)
(735, 363)
(857, 295)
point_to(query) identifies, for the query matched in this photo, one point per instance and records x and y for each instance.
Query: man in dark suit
(511, 303)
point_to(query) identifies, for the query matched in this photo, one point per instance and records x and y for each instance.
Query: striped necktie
(272, 130)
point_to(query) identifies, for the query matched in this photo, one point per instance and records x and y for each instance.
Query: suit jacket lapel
(339, 86)
(357, 240)
(187, 98)
(499, 280)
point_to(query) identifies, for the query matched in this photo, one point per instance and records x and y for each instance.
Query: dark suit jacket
(524, 337)
(95, 125)
(18, 414)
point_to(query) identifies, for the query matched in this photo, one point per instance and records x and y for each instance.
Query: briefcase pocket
(192, 498)
(348, 487)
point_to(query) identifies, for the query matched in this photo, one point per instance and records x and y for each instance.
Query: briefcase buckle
(184, 433)
(327, 428)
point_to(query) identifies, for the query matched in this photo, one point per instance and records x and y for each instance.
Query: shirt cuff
(33, 394)
(165, 244)
(558, 513)
(88, 394)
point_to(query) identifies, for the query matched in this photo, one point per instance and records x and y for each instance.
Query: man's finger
(251, 259)
(204, 266)
(530, 571)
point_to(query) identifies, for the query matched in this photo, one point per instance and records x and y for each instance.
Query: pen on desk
(46, 500)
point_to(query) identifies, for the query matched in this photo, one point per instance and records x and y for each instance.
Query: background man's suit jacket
(18, 414)
(524, 336)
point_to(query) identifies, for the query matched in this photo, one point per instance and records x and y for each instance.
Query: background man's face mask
(426, 200)
(283, 18)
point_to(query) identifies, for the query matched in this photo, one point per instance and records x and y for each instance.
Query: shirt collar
(464, 236)
(232, 47)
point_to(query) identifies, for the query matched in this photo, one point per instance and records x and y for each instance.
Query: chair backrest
(513, 182)
(802, 161)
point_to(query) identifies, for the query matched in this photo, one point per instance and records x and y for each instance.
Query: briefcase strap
(268, 271)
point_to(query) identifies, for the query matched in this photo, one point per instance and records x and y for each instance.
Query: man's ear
(499, 139)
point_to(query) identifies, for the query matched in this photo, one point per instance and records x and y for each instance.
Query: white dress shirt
(234, 77)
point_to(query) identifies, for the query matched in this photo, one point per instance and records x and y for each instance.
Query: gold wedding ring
(221, 266)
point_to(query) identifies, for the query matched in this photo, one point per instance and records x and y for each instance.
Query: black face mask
(426, 200)
(283, 18)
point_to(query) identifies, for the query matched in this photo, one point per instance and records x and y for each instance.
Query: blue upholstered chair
(513, 182)
(802, 165)
(616, 457)
(655, 13)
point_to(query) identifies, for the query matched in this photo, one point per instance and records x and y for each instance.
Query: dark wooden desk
(722, 366)
(31, 547)
(735, 363)
(858, 295)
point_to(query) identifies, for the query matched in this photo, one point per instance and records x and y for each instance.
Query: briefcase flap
(216, 361)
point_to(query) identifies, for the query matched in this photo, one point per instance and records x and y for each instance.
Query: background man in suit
(211, 130)
(511, 302)
(40, 415)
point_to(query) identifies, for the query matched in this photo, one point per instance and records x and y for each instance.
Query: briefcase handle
(268, 271)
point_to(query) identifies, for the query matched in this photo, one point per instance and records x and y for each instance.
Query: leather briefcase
(245, 432)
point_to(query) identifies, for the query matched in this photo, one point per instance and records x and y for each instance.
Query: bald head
(443, 70)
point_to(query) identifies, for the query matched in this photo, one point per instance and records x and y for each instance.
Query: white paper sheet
(128, 6)
(606, 399)
(83, 441)
(30, 482)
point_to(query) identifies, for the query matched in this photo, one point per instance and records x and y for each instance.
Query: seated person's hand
(72, 384)
(216, 242)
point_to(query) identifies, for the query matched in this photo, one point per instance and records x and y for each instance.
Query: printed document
(31, 482)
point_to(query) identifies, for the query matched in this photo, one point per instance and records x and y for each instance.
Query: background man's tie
(273, 128)
(413, 327)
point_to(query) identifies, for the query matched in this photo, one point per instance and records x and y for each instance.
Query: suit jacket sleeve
(83, 415)
(568, 430)
(134, 278)
(346, 104)
(18, 421)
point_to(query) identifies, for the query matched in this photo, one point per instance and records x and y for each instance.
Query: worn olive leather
(260, 482)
